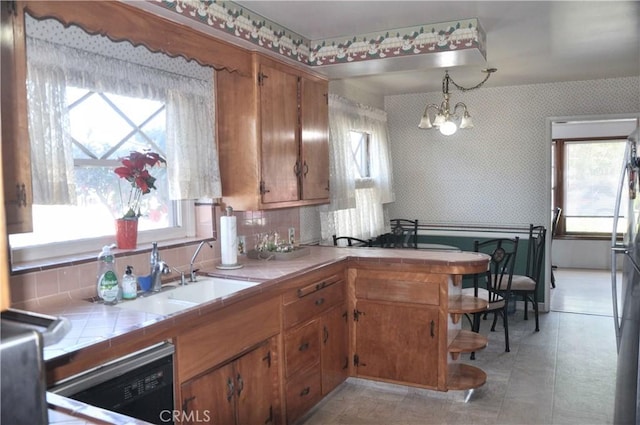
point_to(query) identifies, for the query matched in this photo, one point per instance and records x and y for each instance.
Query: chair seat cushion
(522, 283)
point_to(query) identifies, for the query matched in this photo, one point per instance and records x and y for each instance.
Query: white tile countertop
(95, 323)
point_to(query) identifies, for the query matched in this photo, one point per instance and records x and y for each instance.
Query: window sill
(74, 260)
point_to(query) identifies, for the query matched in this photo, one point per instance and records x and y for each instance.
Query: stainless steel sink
(174, 299)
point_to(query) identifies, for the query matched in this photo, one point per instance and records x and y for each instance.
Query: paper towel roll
(228, 240)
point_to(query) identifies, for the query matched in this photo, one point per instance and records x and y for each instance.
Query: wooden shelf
(466, 342)
(465, 304)
(462, 376)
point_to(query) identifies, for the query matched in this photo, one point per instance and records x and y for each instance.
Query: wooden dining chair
(495, 285)
(351, 241)
(526, 286)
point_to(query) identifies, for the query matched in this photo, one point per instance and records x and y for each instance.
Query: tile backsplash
(76, 278)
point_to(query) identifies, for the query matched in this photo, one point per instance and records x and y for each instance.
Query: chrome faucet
(192, 272)
(158, 268)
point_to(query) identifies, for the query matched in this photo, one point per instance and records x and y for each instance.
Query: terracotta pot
(127, 233)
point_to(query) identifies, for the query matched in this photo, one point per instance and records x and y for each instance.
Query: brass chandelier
(445, 119)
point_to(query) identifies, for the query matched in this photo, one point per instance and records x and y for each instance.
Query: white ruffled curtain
(51, 155)
(356, 207)
(189, 101)
(191, 148)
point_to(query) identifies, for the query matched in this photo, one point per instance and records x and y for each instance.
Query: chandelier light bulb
(448, 128)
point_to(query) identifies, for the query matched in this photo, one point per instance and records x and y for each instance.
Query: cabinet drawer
(302, 347)
(398, 290)
(313, 285)
(312, 303)
(229, 332)
(302, 393)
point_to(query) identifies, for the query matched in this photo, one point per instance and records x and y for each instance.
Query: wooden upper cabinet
(280, 141)
(314, 151)
(273, 137)
(15, 137)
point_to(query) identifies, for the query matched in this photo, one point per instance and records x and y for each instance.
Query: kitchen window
(585, 179)
(104, 127)
(90, 105)
(361, 175)
(360, 153)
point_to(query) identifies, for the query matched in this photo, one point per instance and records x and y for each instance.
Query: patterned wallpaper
(239, 22)
(498, 172)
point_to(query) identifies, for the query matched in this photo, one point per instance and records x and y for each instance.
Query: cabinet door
(279, 145)
(335, 354)
(257, 388)
(301, 347)
(397, 342)
(210, 398)
(314, 147)
(13, 111)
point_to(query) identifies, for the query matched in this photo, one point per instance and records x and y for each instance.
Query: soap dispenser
(129, 284)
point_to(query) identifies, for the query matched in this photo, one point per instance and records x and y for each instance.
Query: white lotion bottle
(129, 284)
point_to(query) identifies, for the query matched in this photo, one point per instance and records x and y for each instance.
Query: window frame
(185, 214)
(558, 189)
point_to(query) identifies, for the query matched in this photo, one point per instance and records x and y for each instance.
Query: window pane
(592, 170)
(96, 126)
(360, 153)
(101, 136)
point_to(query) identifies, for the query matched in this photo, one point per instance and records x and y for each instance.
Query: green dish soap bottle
(108, 288)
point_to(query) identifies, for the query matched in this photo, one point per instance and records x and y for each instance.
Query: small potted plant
(135, 170)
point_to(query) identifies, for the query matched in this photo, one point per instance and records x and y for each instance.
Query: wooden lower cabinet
(316, 340)
(243, 392)
(397, 342)
(334, 348)
(316, 360)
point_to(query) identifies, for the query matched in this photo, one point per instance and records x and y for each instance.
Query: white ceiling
(528, 41)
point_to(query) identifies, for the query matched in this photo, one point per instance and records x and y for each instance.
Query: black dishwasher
(139, 385)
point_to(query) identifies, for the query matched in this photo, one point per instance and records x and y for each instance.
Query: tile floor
(564, 374)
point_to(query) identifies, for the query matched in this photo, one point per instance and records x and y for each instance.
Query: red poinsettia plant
(135, 170)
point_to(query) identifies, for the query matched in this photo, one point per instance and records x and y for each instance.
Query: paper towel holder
(229, 213)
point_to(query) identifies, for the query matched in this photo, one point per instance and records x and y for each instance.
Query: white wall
(498, 172)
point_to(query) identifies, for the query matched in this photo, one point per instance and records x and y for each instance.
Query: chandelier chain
(464, 89)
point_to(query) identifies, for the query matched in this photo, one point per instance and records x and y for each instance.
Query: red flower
(134, 170)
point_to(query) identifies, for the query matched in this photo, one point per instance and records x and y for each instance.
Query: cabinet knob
(305, 391)
(303, 347)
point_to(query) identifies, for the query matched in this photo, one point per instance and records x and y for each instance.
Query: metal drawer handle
(304, 347)
(230, 389)
(320, 301)
(305, 391)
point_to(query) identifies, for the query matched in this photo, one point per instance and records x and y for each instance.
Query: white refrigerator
(626, 290)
